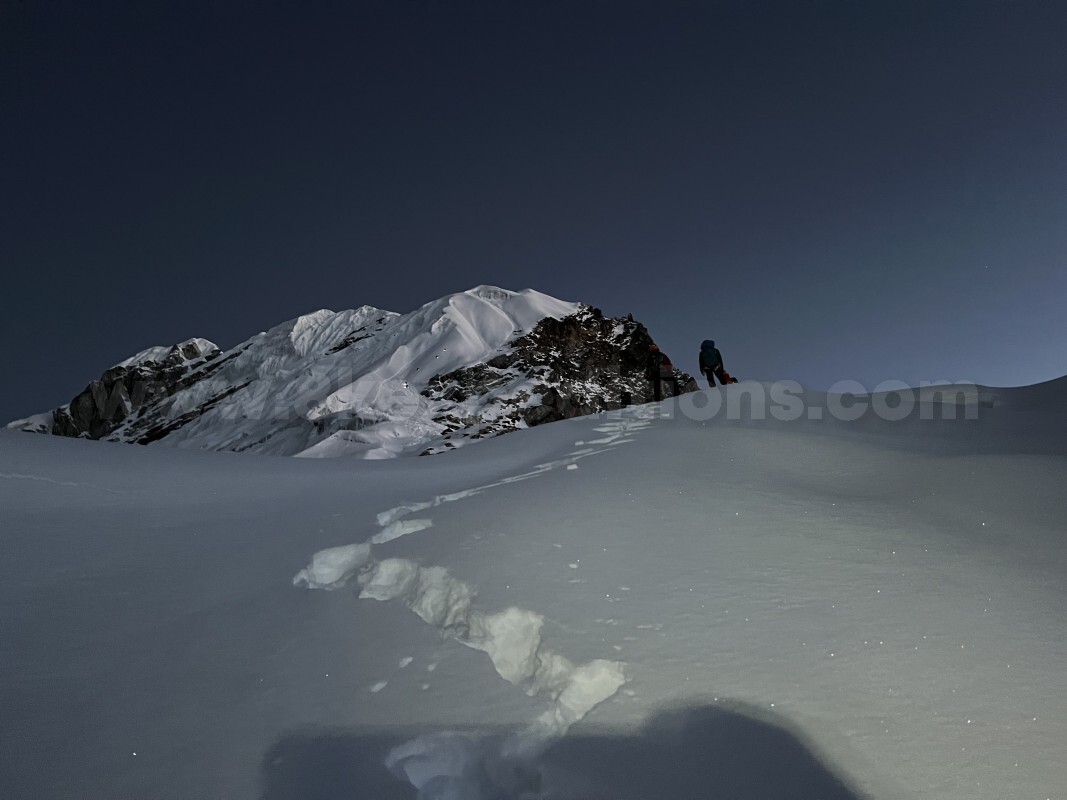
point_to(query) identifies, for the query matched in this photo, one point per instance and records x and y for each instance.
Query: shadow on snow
(721, 750)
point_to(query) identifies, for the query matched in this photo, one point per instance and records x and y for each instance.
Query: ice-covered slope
(800, 609)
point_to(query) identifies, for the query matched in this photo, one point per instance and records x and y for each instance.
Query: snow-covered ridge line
(322, 384)
(191, 347)
(370, 383)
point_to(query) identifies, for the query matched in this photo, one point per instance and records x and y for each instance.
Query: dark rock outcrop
(563, 368)
(123, 390)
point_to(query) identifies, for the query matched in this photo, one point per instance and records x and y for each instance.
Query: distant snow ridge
(367, 382)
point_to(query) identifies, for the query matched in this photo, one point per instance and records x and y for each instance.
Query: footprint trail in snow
(440, 765)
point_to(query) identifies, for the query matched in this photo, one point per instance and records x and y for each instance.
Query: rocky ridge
(127, 389)
(564, 368)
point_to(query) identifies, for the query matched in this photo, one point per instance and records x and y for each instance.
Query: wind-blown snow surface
(645, 604)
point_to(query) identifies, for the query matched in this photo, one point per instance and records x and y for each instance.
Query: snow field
(804, 610)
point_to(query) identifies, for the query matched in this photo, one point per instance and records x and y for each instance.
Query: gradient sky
(830, 190)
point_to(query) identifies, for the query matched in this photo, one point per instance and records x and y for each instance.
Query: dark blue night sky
(830, 190)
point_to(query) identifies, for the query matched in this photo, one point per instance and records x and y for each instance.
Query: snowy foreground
(646, 604)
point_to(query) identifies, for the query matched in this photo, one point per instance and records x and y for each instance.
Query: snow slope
(656, 603)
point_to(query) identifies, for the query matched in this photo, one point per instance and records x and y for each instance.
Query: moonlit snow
(654, 603)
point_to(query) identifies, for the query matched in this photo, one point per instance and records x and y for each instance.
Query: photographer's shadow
(733, 752)
(727, 752)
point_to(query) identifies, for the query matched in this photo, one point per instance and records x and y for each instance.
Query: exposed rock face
(564, 368)
(123, 390)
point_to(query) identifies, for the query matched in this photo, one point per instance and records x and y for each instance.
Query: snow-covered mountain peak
(547, 304)
(323, 329)
(369, 382)
(487, 292)
(307, 326)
